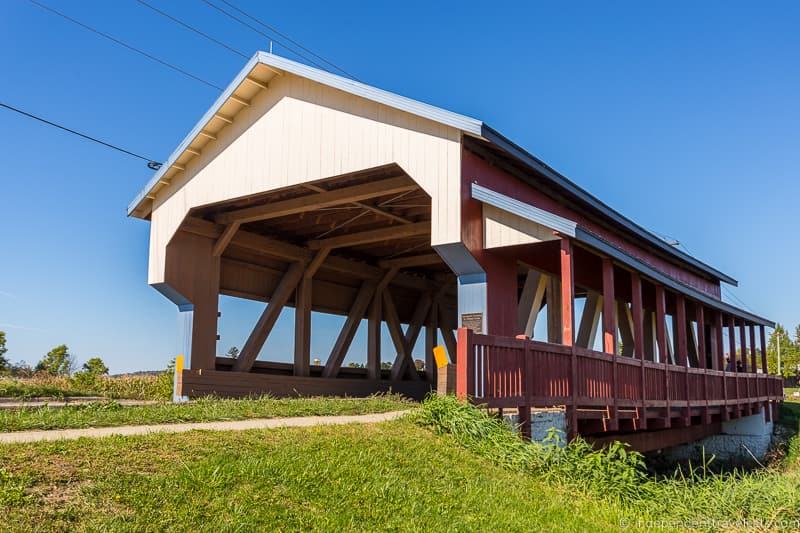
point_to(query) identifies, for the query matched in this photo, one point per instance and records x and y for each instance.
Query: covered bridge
(301, 188)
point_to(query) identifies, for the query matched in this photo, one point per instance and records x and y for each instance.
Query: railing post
(734, 366)
(765, 369)
(721, 363)
(638, 342)
(610, 336)
(682, 351)
(464, 364)
(701, 356)
(661, 339)
(567, 326)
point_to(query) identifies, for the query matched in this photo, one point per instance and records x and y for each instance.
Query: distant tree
(233, 352)
(356, 365)
(790, 352)
(386, 365)
(95, 366)
(58, 362)
(21, 369)
(4, 364)
(797, 336)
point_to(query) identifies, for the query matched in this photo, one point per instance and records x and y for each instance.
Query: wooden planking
(241, 384)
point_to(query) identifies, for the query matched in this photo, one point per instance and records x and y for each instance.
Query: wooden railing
(507, 372)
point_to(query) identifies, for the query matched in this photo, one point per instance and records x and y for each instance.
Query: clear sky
(685, 116)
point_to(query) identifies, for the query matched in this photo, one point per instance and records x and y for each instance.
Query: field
(143, 387)
(445, 467)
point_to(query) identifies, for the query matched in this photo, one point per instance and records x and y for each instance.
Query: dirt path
(235, 425)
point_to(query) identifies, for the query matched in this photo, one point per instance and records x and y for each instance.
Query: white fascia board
(523, 210)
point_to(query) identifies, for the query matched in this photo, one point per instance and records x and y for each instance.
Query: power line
(270, 37)
(154, 165)
(126, 45)
(191, 28)
(275, 30)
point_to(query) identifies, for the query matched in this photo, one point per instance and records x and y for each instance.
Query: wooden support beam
(312, 202)
(701, 336)
(743, 344)
(649, 335)
(302, 316)
(374, 321)
(405, 358)
(239, 100)
(590, 319)
(258, 83)
(224, 240)
(637, 313)
(609, 310)
(691, 345)
(267, 320)
(396, 331)
(412, 261)
(763, 335)
(345, 338)
(376, 235)
(290, 252)
(431, 340)
(208, 135)
(717, 348)
(530, 302)
(625, 322)
(302, 328)
(368, 207)
(448, 337)
(661, 341)
(553, 298)
(681, 348)
(753, 349)
(567, 294)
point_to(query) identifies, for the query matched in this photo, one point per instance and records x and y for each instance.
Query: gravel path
(235, 425)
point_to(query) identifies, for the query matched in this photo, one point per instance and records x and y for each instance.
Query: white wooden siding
(298, 131)
(501, 228)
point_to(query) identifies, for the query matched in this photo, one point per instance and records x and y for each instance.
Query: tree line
(789, 351)
(57, 362)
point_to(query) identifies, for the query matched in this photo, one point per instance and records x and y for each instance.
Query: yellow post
(177, 383)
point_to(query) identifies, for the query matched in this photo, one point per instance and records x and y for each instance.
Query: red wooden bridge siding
(500, 372)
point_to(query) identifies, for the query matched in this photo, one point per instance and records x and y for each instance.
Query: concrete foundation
(742, 441)
(542, 420)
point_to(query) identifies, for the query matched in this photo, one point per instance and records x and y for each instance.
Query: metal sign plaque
(473, 321)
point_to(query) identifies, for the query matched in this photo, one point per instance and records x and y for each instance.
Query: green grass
(147, 387)
(447, 467)
(111, 413)
(767, 498)
(393, 476)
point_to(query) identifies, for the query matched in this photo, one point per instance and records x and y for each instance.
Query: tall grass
(146, 387)
(690, 498)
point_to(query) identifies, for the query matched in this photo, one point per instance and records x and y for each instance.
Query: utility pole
(778, 340)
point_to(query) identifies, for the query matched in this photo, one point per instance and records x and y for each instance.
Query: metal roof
(464, 123)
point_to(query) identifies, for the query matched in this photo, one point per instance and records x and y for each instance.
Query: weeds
(767, 496)
(149, 387)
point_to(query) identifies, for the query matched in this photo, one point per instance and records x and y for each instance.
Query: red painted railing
(509, 372)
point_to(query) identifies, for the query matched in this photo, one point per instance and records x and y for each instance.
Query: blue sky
(683, 115)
